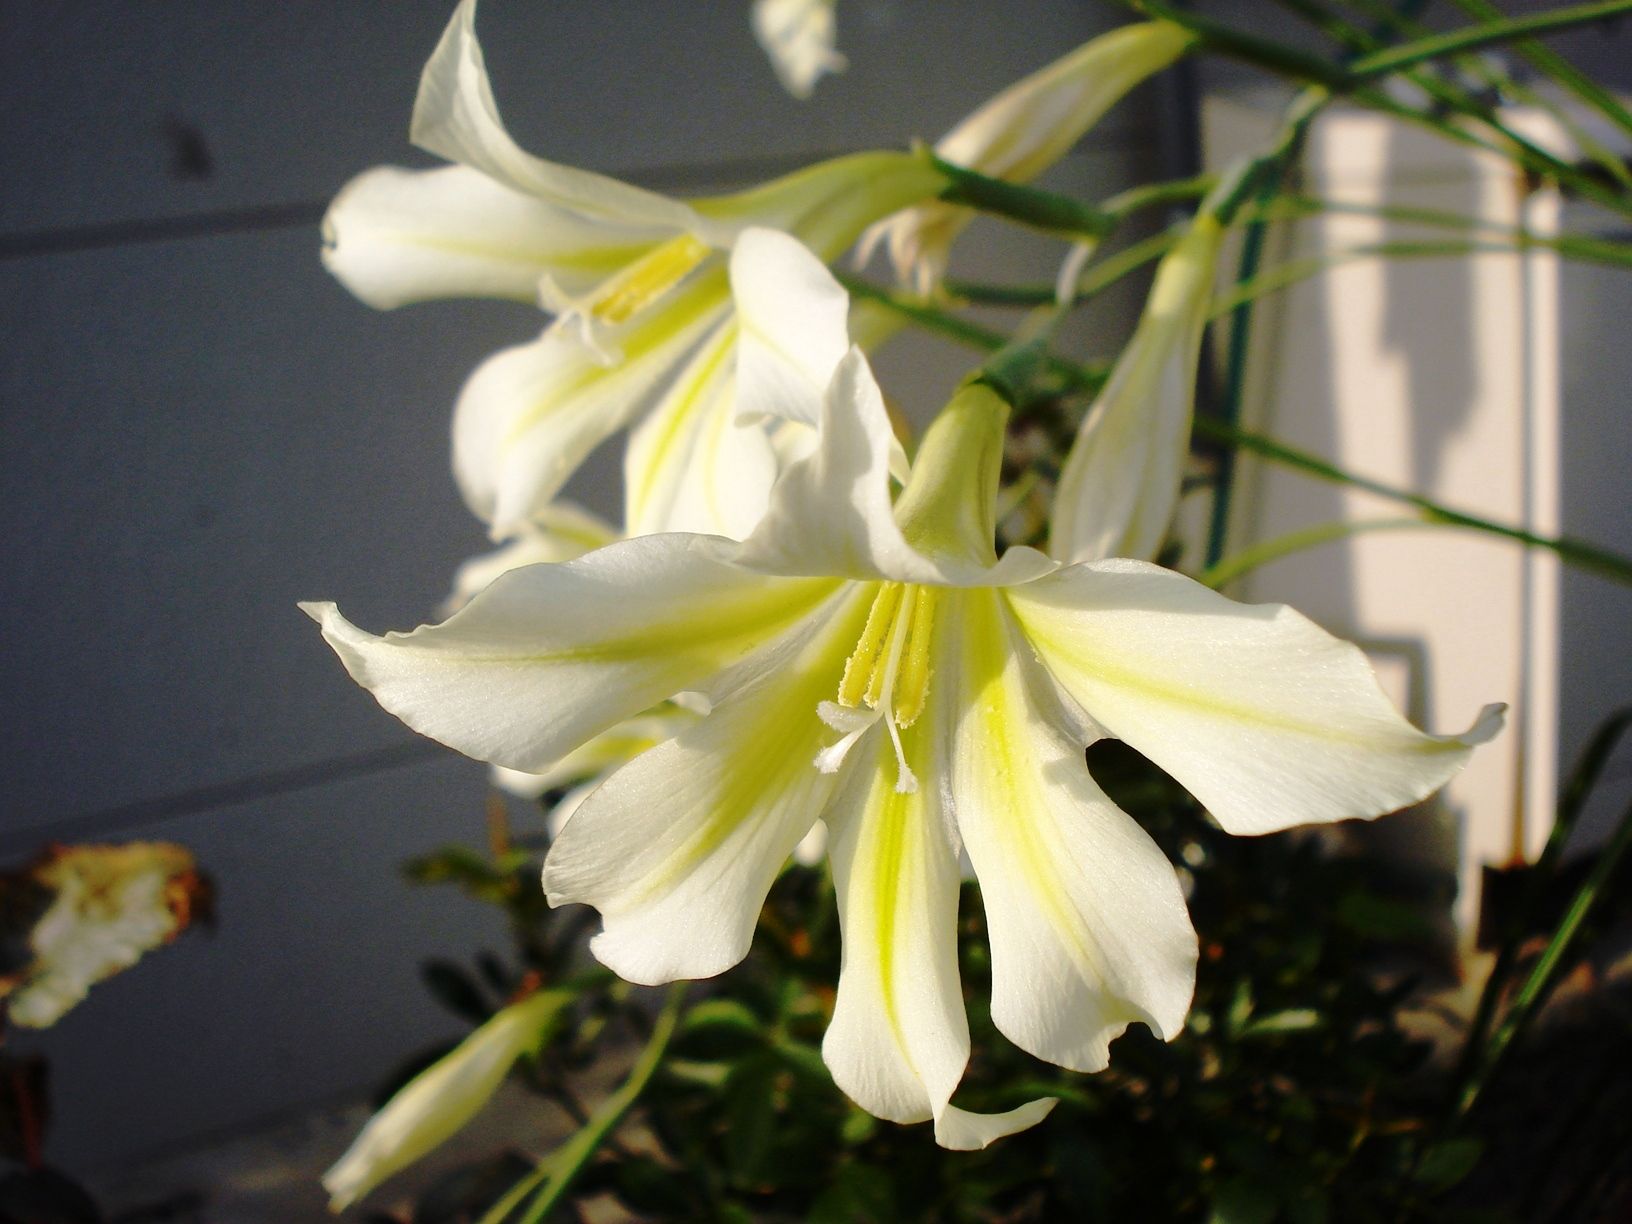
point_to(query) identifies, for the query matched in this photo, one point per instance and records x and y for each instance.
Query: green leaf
(860, 1194)
(647, 1187)
(453, 987)
(1446, 1164)
(858, 1127)
(717, 1029)
(1240, 1007)
(1365, 913)
(750, 1112)
(1292, 1020)
(805, 1059)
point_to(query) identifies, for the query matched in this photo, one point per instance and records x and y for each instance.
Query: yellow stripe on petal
(1086, 921)
(1262, 715)
(678, 848)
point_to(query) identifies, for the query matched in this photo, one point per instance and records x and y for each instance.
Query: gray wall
(200, 428)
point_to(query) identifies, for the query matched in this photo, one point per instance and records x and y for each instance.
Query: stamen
(887, 673)
(859, 667)
(912, 688)
(630, 291)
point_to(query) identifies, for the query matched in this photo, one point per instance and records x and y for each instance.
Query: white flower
(872, 664)
(1122, 477)
(1024, 130)
(105, 907)
(645, 329)
(798, 36)
(438, 1102)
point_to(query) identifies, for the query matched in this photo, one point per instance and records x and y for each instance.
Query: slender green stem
(1073, 374)
(1447, 93)
(1584, 247)
(1096, 278)
(1481, 69)
(1558, 68)
(1047, 210)
(1258, 182)
(1285, 275)
(1253, 557)
(555, 1173)
(1355, 79)
(1578, 553)
(1572, 802)
(1487, 34)
(1538, 987)
(1151, 195)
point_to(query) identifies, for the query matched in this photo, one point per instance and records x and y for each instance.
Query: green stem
(1355, 79)
(1150, 195)
(555, 1173)
(1285, 275)
(1260, 181)
(1032, 206)
(1447, 93)
(1558, 68)
(1538, 987)
(1096, 278)
(1489, 33)
(1574, 552)
(1579, 553)
(1480, 69)
(1572, 802)
(1574, 246)
(941, 322)
(1257, 555)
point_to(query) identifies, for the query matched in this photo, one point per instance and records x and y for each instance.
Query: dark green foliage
(1294, 1095)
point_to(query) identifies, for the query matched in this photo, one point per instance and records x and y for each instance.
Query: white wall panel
(291, 99)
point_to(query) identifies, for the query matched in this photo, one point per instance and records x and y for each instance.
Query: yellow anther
(626, 294)
(867, 657)
(912, 684)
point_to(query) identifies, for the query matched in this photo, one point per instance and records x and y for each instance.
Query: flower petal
(529, 415)
(1087, 923)
(1020, 132)
(1121, 480)
(830, 513)
(455, 116)
(827, 205)
(793, 317)
(600, 754)
(678, 848)
(692, 465)
(1025, 129)
(798, 37)
(899, 1040)
(395, 236)
(437, 1103)
(1263, 716)
(550, 655)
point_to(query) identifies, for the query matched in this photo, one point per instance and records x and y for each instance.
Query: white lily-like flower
(798, 37)
(105, 907)
(873, 664)
(1021, 132)
(438, 1102)
(1121, 480)
(645, 329)
(563, 531)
